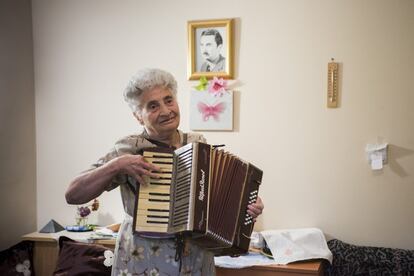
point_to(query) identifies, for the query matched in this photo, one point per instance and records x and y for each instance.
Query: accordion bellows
(202, 192)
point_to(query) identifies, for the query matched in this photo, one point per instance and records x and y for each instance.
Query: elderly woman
(151, 94)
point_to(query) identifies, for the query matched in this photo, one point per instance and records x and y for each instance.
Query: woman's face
(160, 114)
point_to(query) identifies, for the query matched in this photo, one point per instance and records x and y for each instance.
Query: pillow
(349, 259)
(77, 258)
(17, 260)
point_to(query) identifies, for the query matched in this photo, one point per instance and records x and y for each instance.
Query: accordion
(202, 192)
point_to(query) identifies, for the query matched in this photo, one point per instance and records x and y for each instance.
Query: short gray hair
(145, 80)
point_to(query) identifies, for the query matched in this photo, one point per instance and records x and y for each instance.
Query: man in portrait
(211, 44)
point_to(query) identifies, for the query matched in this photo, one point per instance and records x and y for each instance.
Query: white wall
(17, 123)
(315, 172)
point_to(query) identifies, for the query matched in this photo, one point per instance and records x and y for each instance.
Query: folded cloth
(104, 232)
(248, 260)
(293, 245)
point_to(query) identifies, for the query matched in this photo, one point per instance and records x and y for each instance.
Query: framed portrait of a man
(210, 49)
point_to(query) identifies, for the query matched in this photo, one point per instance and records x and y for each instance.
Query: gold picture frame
(206, 55)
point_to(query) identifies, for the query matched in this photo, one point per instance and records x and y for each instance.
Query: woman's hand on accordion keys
(256, 208)
(136, 166)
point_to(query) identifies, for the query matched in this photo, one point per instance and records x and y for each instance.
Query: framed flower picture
(210, 49)
(211, 107)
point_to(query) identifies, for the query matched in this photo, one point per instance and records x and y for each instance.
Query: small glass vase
(81, 221)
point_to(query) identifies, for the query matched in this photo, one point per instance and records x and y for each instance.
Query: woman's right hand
(135, 166)
(92, 183)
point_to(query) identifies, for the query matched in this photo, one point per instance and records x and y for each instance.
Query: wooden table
(314, 267)
(46, 255)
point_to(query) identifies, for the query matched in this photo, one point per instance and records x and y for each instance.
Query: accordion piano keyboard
(154, 198)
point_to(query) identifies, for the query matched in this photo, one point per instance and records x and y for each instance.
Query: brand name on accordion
(202, 181)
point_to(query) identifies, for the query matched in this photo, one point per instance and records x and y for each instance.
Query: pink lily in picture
(217, 86)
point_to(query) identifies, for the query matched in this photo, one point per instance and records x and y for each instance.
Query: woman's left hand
(256, 209)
